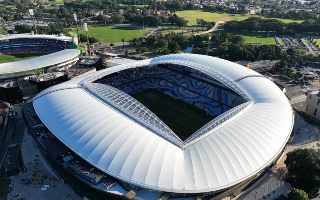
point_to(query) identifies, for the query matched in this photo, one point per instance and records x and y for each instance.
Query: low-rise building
(313, 104)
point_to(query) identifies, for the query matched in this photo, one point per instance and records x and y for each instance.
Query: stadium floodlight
(31, 12)
(75, 17)
(85, 28)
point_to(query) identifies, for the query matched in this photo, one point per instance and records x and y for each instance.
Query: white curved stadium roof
(232, 148)
(12, 69)
(35, 36)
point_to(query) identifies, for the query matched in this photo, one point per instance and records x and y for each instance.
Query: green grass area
(317, 42)
(281, 42)
(7, 58)
(134, 5)
(112, 34)
(12, 58)
(184, 30)
(183, 118)
(2, 31)
(287, 21)
(263, 40)
(193, 15)
(59, 1)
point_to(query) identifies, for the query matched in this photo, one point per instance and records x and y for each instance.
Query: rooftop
(241, 144)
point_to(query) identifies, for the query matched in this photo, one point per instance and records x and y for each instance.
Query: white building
(61, 55)
(122, 138)
(313, 104)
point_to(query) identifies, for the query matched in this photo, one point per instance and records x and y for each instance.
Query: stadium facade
(107, 133)
(52, 52)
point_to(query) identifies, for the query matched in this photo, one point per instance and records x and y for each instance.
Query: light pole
(31, 12)
(209, 39)
(85, 28)
(75, 17)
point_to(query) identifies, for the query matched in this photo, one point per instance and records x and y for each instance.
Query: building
(46, 80)
(53, 52)
(313, 104)
(34, 44)
(10, 91)
(115, 143)
(59, 60)
(4, 110)
(31, 1)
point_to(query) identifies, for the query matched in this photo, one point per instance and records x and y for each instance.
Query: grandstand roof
(34, 36)
(232, 148)
(12, 69)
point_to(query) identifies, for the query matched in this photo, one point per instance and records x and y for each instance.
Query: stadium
(178, 126)
(40, 52)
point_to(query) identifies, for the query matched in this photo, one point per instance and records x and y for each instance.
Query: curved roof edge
(32, 36)
(12, 69)
(223, 157)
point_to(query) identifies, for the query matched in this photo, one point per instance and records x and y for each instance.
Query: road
(5, 138)
(267, 188)
(213, 29)
(298, 99)
(271, 186)
(153, 32)
(38, 180)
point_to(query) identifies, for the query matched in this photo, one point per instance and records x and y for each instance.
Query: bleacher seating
(181, 83)
(33, 46)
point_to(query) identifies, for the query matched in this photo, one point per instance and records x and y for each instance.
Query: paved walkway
(305, 135)
(213, 29)
(38, 181)
(270, 188)
(304, 132)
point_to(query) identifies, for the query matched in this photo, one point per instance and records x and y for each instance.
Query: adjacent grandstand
(34, 44)
(50, 51)
(180, 125)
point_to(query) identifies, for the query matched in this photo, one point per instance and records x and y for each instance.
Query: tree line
(257, 24)
(224, 45)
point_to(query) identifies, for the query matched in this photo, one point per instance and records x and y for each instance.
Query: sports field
(112, 34)
(59, 1)
(193, 15)
(263, 40)
(12, 58)
(183, 118)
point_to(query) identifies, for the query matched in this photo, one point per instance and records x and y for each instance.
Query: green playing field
(183, 118)
(12, 58)
(112, 34)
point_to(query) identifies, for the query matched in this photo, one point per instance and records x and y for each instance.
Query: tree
(23, 28)
(304, 170)
(179, 21)
(173, 47)
(117, 19)
(204, 23)
(297, 194)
